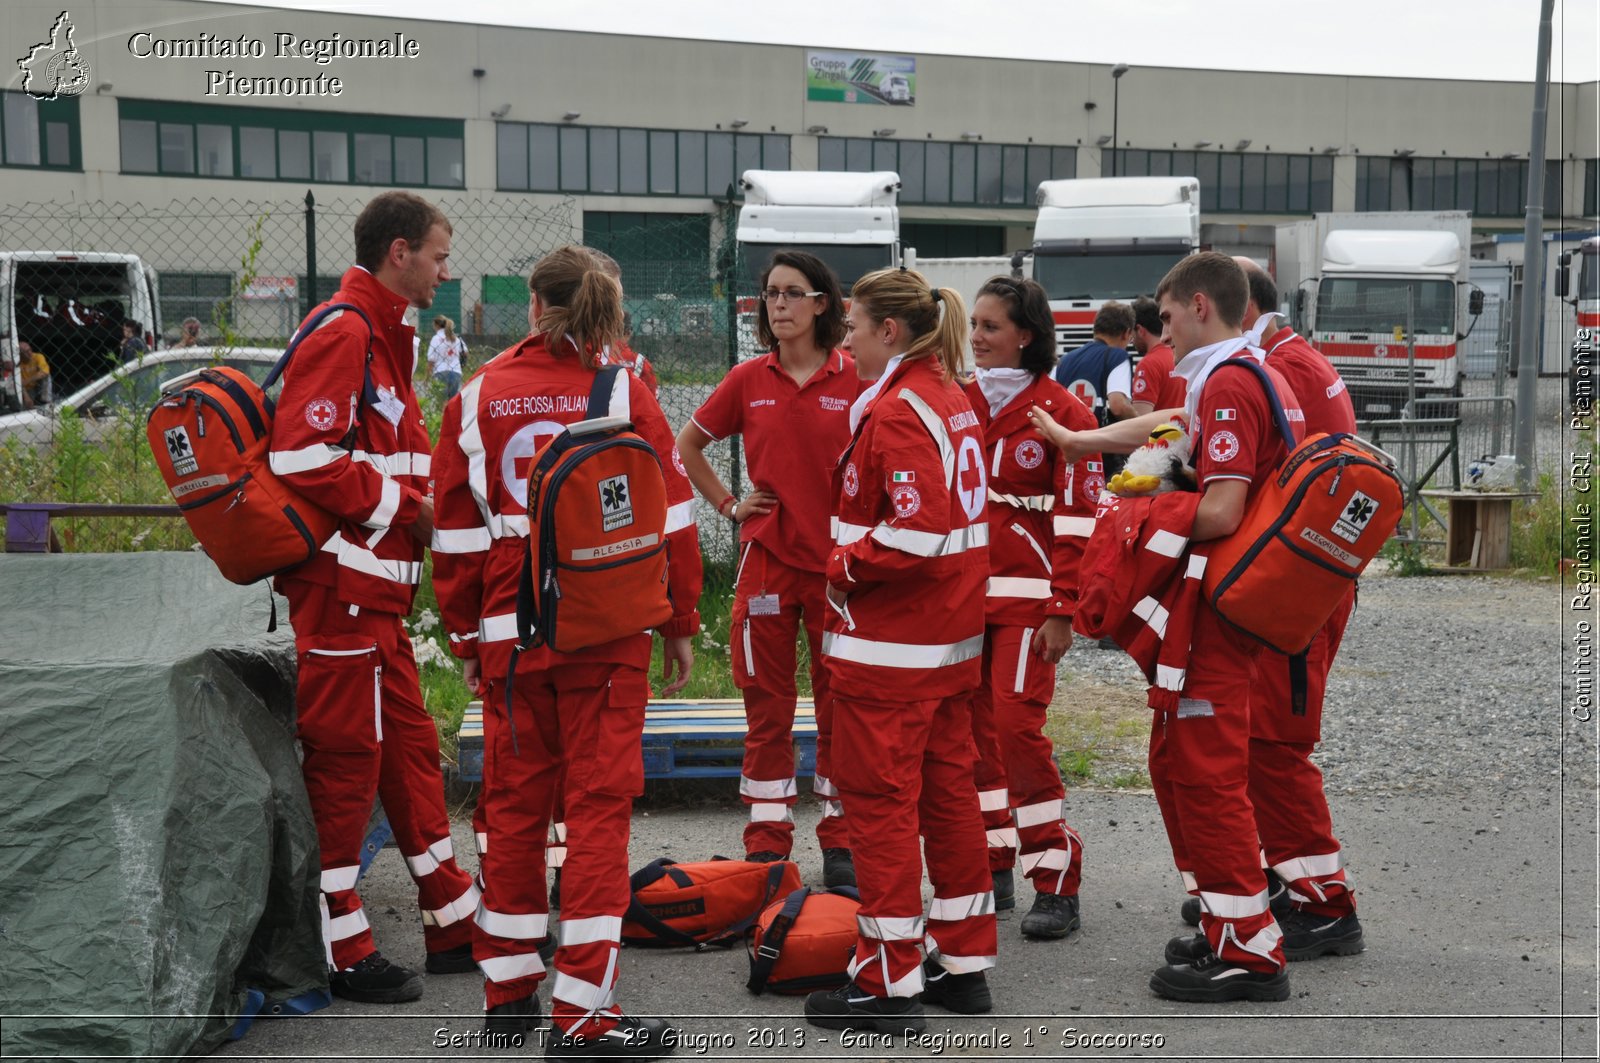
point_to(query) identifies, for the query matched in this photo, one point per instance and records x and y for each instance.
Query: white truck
(1105, 238)
(849, 220)
(1586, 299)
(1350, 280)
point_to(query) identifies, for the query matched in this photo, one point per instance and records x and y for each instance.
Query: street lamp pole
(1116, 84)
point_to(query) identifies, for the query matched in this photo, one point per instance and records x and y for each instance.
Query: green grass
(1542, 530)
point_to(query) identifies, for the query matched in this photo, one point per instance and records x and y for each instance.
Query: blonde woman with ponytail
(579, 716)
(904, 647)
(444, 355)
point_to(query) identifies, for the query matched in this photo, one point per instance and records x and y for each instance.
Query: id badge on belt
(764, 605)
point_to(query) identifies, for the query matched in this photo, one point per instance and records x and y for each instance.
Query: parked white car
(130, 391)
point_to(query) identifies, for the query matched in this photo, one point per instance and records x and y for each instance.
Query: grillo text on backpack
(211, 440)
(1307, 535)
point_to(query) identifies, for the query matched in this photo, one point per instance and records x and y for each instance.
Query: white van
(70, 306)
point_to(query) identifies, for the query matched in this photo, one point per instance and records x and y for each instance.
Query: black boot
(849, 1008)
(1052, 916)
(964, 994)
(838, 868)
(1210, 980)
(377, 981)
(630, 1038)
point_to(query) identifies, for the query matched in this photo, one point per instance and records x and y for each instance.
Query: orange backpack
(211, 441)
(710, 903)
(596, 567)
(1309, 532)
(805, 941)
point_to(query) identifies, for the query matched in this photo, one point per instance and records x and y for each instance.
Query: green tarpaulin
(157, 854)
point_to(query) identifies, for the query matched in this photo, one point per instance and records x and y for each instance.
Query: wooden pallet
(683, 739)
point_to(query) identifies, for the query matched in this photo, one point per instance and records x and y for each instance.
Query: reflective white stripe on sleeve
(504, 527)
(460, 908)
(506, 925)
(1041, 812)
(577, 992)
(459, 637)
(993, 800)
(1080, 527)
(588, 931)
(936, 429)
(497, 628)
(471, 443)
(508, 968)
(1169, 678)
(405, 463)
(1197, 566)
(1016, 587)
(931, 544)
(899, 654)
(845, 534)
(1167, 544)
(1301, 867)
(287, 462)
(428, 861)
(767, 789)
(680, 516)
(388, 505)
(891, 928)
(347, 926)
(337, 879)
(1232, 906)
(621, 404)
(360, 559)
(950, 909)
(1003, 838)
(461, 540)
(770, 812)
(1153, 613)
(1034, 503)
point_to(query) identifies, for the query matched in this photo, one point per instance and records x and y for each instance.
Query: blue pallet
(683, 739)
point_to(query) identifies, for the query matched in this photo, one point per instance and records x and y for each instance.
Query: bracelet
(724, 502)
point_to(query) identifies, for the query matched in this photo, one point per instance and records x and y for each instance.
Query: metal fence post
(311, 250)
(1411, 411)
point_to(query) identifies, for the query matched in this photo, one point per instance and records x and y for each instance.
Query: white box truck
(1350, 280)
(1105, 238)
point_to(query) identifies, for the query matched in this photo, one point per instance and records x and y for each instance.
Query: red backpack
(703, 904)
(211, 441)
(805, 941)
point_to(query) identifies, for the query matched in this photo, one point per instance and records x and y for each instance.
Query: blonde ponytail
(579, 298)
(936, 319)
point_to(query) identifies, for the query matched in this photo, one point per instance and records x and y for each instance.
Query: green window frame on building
(269, 144)
(196, 295)
(1239, 183)
(1486, 188)
(961, 173)
(613, 160)
(40, 134)
(1591, 193)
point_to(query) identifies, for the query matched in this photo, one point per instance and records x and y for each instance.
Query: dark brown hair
(580, 298)
(1213, 275)
(394, 216)
(1028, 307)
(829, 328)
(1113, 319)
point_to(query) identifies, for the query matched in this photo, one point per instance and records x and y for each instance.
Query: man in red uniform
(1155, 385)
(364, 455)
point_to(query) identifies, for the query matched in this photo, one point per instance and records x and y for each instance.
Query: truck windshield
(1589, 277)
(1378, 304)
(850, 262)
(1108, 276)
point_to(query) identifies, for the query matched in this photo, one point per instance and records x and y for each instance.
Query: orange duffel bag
(710, 903)
(805, 941)
(1309, 532)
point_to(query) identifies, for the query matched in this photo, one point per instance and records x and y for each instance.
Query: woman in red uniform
(904, 649)
(1041, 513)
(792, 407)
(578, 716)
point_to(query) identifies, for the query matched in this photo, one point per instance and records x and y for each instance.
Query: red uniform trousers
(1017, 778)
(771, 601)
(578, 731)
(1200, 769)
(364, 732)
(1286, 788)
(899, 763)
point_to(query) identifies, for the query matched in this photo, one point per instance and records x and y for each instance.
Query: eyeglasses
(788, 295)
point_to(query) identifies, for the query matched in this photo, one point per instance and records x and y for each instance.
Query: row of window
(48, 141)
(1233, 182)
(1488, 188)
(603, 159)
(956, 172)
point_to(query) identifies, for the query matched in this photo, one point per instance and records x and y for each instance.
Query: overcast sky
(1470, 39)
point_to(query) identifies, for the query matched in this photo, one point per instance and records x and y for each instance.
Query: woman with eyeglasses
(792, 408)
(1041, 513)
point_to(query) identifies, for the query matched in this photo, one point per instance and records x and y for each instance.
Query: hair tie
(935, 293)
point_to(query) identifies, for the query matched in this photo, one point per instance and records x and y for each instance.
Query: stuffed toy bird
(1159, 466)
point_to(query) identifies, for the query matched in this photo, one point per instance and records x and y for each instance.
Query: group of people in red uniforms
(923, 526)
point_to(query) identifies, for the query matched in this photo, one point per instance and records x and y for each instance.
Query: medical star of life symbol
(614, 494)
(1360, 510)
(178, 444)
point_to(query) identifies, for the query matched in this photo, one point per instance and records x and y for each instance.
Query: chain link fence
(249, 271)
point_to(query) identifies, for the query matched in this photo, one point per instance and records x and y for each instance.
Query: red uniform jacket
(1155, 382)
(1315, 381)
(377, 486)
(912, 551)
(1041, 507)
(520, 400)
(620, 353)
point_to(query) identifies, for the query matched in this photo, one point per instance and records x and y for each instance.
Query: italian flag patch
(905, 478)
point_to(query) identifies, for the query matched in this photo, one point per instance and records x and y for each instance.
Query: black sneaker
(512, 1018)
(555, 890)
(1052, 916)
(1277, 899)
(451, 961)
(630, 1038)
(849, 1008)
(764, 856)
(964, 994)
(838, 868)
(1186, 949)
(1005, 890)
(377, 981)
(1210, 980)
(1307, 936)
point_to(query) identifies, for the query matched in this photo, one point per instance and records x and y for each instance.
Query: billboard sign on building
(854, 77)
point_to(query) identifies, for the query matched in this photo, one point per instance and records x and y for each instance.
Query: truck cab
(1099, 239)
